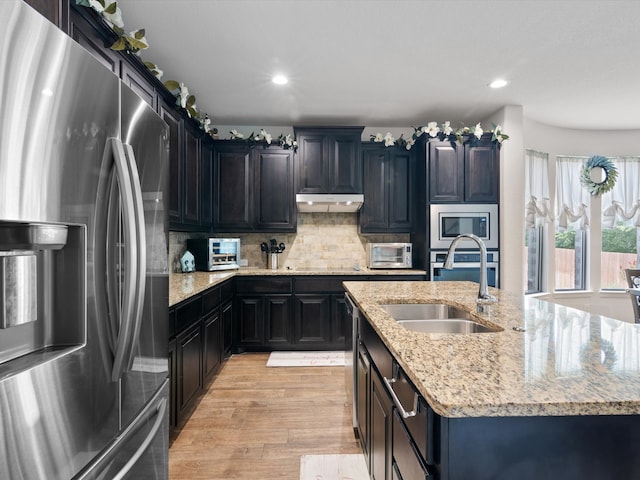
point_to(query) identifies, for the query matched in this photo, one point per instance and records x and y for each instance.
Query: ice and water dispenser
(42, 290)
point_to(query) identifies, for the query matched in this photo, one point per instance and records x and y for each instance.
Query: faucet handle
(484, 302)
(487, 298)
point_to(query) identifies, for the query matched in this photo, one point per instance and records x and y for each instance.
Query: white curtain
(623, 201)
(538, 205)
(572, 199)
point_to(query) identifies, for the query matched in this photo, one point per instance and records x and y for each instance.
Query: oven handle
(465, 265)
(437, 266)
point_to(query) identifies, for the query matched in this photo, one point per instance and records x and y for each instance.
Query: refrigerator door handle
(160, 416)
(135, 261)
(141, 246)
(97, 468)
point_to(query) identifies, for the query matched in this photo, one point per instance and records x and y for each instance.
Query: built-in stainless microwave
(390, 255)
(215, 253)
(450, 220)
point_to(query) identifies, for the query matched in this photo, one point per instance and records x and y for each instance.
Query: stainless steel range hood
(329, 202)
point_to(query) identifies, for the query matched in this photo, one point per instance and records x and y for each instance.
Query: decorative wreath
(610, 171)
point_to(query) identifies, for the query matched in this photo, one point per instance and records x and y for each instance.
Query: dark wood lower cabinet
(189, 364)
(250, 321)
(212, 354)
(340, 321)
(380, 430)
(296, 312)
(226, 317)
(291, 313)
(312, 325)
(427, 446)
(200, 334)
(264, 322)
(363, 382)
(277, 320)
(173, 402)
(407, 464)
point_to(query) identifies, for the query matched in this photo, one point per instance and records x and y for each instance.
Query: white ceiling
(570, 63)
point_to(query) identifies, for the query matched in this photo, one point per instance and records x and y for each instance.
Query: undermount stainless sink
(450, 325)
(435, 318)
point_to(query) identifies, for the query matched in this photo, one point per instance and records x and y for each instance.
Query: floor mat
(306, 359)
(333, 467)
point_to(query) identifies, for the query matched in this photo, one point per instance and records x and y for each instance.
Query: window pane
(533, 256)
(570, 260)
(619, 251)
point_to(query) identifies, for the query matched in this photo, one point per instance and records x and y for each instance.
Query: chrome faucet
(485, 299)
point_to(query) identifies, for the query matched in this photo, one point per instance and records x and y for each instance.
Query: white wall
(510, 118)
(564, 141)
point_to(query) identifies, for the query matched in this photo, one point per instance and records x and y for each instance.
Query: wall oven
(466, 266)
(450, 220)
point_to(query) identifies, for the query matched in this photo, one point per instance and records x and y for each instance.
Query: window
(537, 214)
(621, 224)
(572, 212)
(571, 258)
(617, 232)
(533, 257)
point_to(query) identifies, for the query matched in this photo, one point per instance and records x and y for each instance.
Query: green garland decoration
(611, 175)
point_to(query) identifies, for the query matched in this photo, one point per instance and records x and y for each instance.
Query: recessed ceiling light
(280, 80)
(499, 83)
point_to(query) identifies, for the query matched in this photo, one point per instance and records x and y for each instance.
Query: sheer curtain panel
(572, 199)
(538, 205)
(623, 201)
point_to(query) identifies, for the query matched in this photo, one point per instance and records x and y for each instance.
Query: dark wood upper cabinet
(192, 175)
(85, 28)
(139, 84)
(187, 177)
(388, 189)
(56, 11)
(253, 188)
(481, 172)
(329, 159)
(206, 182)
(467, 173)
(446, 171)
(274, 178)
(176, 147)
(233, 194)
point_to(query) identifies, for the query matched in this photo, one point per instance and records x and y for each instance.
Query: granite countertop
(566, 362)
(185, 285)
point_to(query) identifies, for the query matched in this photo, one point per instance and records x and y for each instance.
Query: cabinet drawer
(328, 284)
(421, 425)
(406, 461)
(226, 290)
(264, 285)
(188, 312)
(210, 300)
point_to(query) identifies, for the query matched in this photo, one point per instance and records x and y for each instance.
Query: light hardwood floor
(256, 422)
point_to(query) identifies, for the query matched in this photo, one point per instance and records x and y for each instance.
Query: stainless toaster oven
(215, 253)
(390, 255)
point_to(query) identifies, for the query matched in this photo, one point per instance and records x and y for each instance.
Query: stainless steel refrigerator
(83, 263)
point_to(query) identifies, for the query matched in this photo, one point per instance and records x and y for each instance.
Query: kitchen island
(555, 393)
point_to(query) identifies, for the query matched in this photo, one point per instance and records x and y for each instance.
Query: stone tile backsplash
(323, 241)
